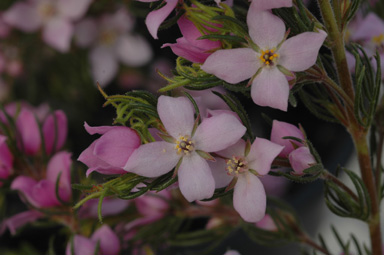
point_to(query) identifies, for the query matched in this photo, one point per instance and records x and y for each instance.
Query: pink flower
(56, 18)
(110, 207)
(189, 46)
(267, 223)
(301, 159)
(112, 41)
(183, 147)
(6, 159)
(42, 194)
(107, 239)
(299, 155)
(156, 17)
(249, 197)
(282, 129)
(269, 85)
(18, 220)
(232, 252)
(109, 153)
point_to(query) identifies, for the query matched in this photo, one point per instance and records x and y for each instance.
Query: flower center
(269, 57)
(184, 145)
(379, 42)
(236, 166)
(47, 10)
(107, 37)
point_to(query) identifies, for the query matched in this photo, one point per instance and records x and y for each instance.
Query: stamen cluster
(236, 165)
(268, 57)
(184, 145)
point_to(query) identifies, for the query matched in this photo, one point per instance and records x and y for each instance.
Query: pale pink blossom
(55, 17)
(194, 174)
(263, 65)
(189, 46)
(301, 159)
(109, 243)
(156, 17)
(42, 193)
(109, 153)
(249, 198)
(112, 41)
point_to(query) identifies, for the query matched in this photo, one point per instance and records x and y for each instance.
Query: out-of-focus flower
(232, 252)
(111, 40)
(109, 243)
(42, 193)
(6, 159)
(10, 61)
(109, 153)
(185, 148)
(156, 17)
(18, 220)
(110, 207)
(267, 223)
(5, 29)
(55, 17)
(268, 66)
(189, 46)
(249, 197)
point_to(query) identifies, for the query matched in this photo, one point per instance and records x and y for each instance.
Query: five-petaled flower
(268, 62)
(185, 147)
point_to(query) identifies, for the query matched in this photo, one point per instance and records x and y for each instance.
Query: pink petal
(25, 185)
(262, 154)
(133, 50)
(299, 52)
(73, 9)
(109, 242)
(6, 158)
(371, 26)
(281, 129)
(249, 198)
(24, 16)
(153, 159)
(19, 220)
(81, 246)
(58, 34)
(267, 223)
(55, 130)
(86, 32)
(195, 178)
(271, 88)
(176, 114)
(232, 252)
(155, 18)
(219, 173)
(238, 149)
(265, 29)
(234, 65)
(44, 194)
(104, 65)
(115, 146)
(29, 132)
(264, 5)
(301, 159)
(61, 163)
(97, 130)
(274, 186)
(110, 207)
(218, 132)
(185, 49)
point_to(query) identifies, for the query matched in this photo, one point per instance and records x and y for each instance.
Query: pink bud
(55, 131)
(282, 129)
(6, 159)
(301, 159)
(267, 223)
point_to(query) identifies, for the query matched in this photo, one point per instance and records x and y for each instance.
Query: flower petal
(219, 173)
(104, 65)
(371, 26)
(218, 132)
(55, 131)
(238, 149)
(73, 9)
(133, 50)
(264, 5)
(25, 185)
(81, 246)
(61, 163)
(271, 88)
(97, 130)
(249, 198)
(86, 32)
(195, 178)
(262, 154)
(155, 18)
(29, 131)
(109, 242)
(299, 52)
(24, 16)
(58, 34)
(116, 146)
(19, 220)
(265, 29)
(152, 159)
(281, 129)
(233, 65)
(176, 114)
(6, 158)
(301, 159)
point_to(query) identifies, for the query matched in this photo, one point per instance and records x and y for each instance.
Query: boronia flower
(267, 63)
(186, 147)
(244, 165)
